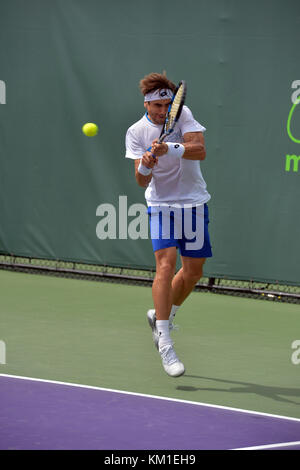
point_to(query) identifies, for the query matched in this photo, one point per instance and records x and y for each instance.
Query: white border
(271, 446)
(156, 397)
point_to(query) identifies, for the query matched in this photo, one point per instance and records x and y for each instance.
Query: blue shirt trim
(146, 114)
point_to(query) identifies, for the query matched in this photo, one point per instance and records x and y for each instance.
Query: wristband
(175, 150)
(144, 170)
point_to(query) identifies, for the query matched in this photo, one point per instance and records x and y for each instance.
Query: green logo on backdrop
(289, 122)
(292, 162)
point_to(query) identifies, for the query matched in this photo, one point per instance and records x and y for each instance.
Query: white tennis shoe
(170, 361)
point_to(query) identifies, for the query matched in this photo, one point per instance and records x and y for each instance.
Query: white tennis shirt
(175, 181)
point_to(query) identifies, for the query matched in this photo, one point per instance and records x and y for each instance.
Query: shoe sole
(176, 375)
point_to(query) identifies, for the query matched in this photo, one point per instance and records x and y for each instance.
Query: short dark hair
(155, 81)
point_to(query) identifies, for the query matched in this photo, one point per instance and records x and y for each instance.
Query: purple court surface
(44, 415)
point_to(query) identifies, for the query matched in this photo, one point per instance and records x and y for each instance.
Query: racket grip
(149, 150)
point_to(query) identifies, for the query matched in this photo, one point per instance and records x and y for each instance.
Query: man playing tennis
(176, 196)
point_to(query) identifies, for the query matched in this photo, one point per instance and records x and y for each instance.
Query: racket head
(174, 110)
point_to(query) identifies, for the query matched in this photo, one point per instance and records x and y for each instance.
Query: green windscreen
(67, 62)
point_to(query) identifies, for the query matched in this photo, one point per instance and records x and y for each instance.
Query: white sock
(163, 332)
(173, 313)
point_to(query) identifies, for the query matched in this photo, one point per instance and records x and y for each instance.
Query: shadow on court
(274, 393)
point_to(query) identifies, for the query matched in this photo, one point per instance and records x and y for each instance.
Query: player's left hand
(159, 149)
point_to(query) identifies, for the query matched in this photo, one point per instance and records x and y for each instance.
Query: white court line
(156, 397)
(271, 446)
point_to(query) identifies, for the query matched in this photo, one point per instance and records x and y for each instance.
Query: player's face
(157, 110)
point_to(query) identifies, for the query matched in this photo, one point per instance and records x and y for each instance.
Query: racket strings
(174, 107)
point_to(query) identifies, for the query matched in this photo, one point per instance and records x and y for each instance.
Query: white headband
(164, 94)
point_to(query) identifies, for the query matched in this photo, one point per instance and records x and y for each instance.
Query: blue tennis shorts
(185, 228)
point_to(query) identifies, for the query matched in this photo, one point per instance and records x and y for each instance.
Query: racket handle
(154, 156)
(163, 136)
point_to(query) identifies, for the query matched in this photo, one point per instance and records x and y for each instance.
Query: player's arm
(194, 146)
(148, 163)
(193, 143)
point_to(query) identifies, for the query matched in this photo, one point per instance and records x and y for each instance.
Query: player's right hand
(148, 160)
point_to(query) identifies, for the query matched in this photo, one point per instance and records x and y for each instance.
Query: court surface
(81, 371)
(50, 415)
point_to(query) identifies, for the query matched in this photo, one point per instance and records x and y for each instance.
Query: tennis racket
(174, 112)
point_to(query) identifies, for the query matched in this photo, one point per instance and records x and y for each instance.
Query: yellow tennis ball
(90, 129)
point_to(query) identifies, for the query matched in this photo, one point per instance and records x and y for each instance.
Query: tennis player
(177, 199)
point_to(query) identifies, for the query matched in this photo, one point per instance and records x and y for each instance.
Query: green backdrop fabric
(67, 62)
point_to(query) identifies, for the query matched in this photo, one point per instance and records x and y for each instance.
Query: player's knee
(193, 274)
(165, 269)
